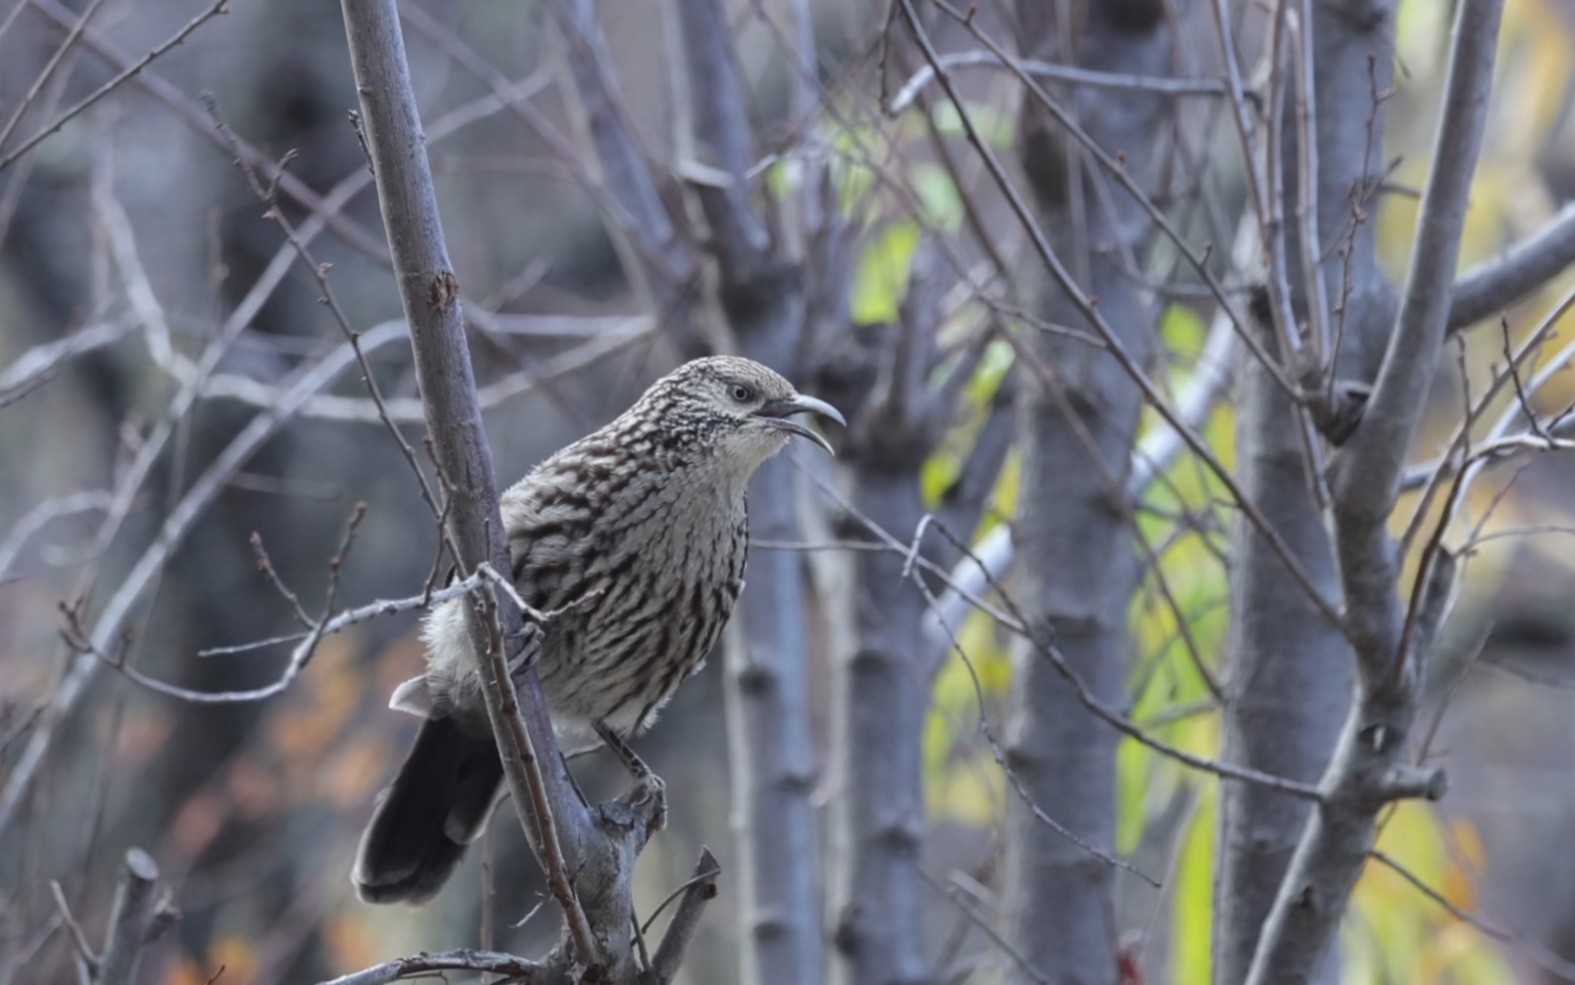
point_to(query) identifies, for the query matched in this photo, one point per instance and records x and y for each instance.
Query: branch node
(1405, 781)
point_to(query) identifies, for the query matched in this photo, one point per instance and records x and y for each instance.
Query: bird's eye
(742, 392)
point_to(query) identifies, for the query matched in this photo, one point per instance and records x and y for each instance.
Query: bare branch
(723, 155)
(1157, 85)
(1154, 454)
(761, 297)
(1314, 290)
(987, 926)
(54, 62)
(625, 193)
(696, 893)
(429, 292)
(302, 654)
(269, 197)
(37, 365)
(625, 173)
(433, 964)
(1084, 306)
(117, 611)
(1016, 621)
(1368, 475)
(78, 27)
(1369, 768)
(131, 919)
(1487, 289)
(193, 116)
(42, 515)
(88, 961)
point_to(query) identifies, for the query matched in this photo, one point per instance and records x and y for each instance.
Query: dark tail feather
(428, 816)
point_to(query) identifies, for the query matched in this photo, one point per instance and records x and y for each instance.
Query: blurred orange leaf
(352, 774)
(238, 956)
(351, 944)
(198, 820)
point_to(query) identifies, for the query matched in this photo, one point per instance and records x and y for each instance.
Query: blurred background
(151, 313)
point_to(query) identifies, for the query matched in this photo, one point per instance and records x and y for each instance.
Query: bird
(637, 535)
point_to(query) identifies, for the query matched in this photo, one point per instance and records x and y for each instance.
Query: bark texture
(1077, 424)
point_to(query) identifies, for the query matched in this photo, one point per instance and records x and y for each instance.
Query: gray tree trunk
(1080, 567)
(1290, 670)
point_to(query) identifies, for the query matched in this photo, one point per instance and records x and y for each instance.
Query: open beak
(779, 414)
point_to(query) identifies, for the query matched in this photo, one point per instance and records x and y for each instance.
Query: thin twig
(37, 365)
(1073, 74)
(985, 925)
(1095, 318)
(49, 68)
(695, 893)
(1085, 697)
(85, 952)
(269, 197)
(302, 654)
(299, 386)
(218, 7)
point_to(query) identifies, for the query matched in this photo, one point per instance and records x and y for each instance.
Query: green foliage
(881, 279)
(943, 206)
(963, 783)
(1394, 933)
(1191, 958)
(994, 126)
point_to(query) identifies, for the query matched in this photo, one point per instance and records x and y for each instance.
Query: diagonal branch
(429, 292)
(428, 965)
(78, 27)
(1368, 476)
(193, 116)
(1485, 290)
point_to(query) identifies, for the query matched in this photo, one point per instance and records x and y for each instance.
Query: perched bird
(644, 523)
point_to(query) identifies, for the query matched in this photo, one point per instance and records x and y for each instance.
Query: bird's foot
(528, 649)
(651, 789)
(648, 787)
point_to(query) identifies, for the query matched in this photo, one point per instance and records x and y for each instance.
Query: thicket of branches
(1113, 647)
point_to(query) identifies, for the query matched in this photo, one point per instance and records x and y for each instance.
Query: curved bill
(780, 413)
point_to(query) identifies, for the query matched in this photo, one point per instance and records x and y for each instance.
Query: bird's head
(735, 407)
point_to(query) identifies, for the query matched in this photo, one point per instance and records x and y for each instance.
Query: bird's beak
(779, 414)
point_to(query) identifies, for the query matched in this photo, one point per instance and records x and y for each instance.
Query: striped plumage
(647, 520)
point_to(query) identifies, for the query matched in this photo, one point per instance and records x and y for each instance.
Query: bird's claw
(651, 789)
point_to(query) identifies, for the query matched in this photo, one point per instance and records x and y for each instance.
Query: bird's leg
(572, 781)
(643, 775)
(631, 761)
